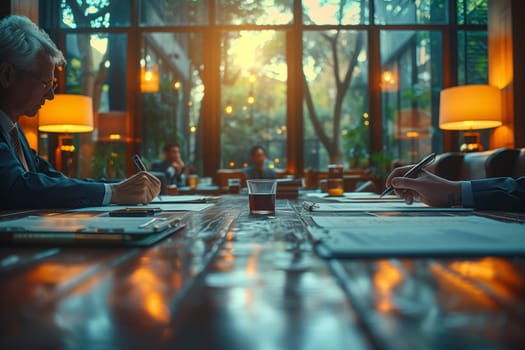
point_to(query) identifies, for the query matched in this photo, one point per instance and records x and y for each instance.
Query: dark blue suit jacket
(502, 193)
(252, 173)
(42, 186)
(162, 166)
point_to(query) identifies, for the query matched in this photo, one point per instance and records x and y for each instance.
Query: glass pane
(411, 12)
(253, 96)
(473, 11)
(258, 12)
(94, 14)
(335, 12)
(172, 92)
(473, 65)
(411, 82)
(97, 68)
(173, 13)
(336, 125)
(472, 57)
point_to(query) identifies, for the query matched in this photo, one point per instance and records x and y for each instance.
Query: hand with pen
(425, 187)
(140, 188)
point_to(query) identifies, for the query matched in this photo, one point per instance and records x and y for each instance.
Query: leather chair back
(499, 162)
(519, 164)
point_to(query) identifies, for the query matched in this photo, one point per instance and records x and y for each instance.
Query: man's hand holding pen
(413, 171)
(426, 187)
(139, 188)
(142, 187)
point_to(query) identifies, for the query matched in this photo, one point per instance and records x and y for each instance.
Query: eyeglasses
(53, 83)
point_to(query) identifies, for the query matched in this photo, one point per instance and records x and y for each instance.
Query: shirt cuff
(107, 194)
(467, 198)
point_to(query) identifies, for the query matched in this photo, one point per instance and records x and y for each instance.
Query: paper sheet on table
(180, 199)
(164, 207)
(381, 236)
(356, 197)
(379, 205)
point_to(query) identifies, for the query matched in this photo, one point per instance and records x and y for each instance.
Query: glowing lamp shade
(66, 114)
(470, 107)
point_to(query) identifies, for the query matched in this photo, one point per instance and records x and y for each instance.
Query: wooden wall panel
(28, 8)
(506, 46)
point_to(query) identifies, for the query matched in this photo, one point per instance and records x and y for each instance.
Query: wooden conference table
(233, 281)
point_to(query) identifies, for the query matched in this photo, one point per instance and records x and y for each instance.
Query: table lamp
(470, 107)
(66, 114)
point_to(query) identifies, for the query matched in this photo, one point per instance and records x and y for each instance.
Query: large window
(355, 82)
(253, 97)
(410, 86)
(171, 92)
(335, 72)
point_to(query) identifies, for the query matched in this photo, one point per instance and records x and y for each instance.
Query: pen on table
(412, 173)
(140, 165)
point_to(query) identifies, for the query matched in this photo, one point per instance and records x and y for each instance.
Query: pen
(140, 165)
(412, 173)
(310, 206)
(138, 162)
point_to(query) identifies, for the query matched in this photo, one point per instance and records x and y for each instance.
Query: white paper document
(180, 199)
(164, 207)
(379, 205)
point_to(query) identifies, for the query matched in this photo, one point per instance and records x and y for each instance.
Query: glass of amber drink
(262, 196)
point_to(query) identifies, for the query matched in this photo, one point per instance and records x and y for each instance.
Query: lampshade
(470, 107)
(66, 114)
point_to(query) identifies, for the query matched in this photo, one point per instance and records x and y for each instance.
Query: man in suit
(172, 165)
(258, 169)
(28, 60)
(500, 193)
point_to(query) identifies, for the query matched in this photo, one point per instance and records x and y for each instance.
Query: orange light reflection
(451, 282)
(149, 286)
(386, 279)
(497, 274)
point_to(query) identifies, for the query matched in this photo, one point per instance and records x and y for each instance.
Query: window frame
(211, 152)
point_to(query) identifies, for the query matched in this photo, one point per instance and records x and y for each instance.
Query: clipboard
(70, 229)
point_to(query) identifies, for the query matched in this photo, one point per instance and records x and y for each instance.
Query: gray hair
(21, 41)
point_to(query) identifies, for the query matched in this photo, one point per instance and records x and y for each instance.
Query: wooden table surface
(233, 281)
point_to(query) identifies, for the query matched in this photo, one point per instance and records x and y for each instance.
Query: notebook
(406, 236)
(84, 230)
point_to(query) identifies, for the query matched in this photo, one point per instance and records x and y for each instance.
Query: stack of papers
(288, 188)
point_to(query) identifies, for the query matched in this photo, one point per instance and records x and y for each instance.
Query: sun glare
(244, 49)
(247, 51)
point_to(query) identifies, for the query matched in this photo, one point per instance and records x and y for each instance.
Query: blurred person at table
(28, 61)
(258, 169)
(502, 193)
(172, 166)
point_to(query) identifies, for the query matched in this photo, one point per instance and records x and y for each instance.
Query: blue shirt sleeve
(467, 198)
(107, 194)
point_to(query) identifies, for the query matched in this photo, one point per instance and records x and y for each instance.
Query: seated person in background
(172, 165)
(28, 61)
(489, 194)
(258, 169)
